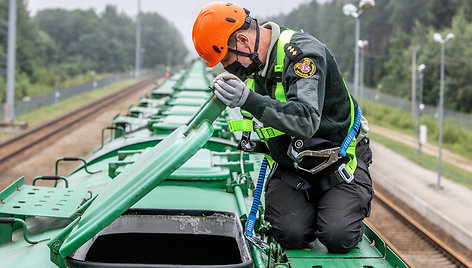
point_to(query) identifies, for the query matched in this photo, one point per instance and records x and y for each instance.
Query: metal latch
(344, 173)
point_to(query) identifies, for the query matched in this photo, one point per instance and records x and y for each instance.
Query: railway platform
(449, 207)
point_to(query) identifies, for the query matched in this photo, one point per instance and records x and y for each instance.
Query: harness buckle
(260, 133)
(344, 174)
(246, 144)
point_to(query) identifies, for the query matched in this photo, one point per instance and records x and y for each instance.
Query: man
(315, 189)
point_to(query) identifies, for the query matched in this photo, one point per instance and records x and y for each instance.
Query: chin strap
(254, 56)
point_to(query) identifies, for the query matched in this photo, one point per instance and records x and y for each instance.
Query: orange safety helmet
(214, 25)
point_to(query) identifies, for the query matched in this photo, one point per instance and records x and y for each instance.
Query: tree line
(393, 28)
(57, 44)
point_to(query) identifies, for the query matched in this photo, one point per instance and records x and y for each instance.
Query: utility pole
(356, 58)
(438, 38)
(9, 114)
(421, 68)
(362, 45)
(441, 114)
(138, 41)
(413, 82)
(351, 10)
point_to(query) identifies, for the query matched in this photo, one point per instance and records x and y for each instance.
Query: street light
(421, 68)
(11, 52)
(351, 10)
(137, 64)
(362, 44)
(438, 38)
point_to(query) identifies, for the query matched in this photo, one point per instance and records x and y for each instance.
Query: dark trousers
(334, 216)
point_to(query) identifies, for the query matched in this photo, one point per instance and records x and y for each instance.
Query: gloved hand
(230, 89)
(225, 76)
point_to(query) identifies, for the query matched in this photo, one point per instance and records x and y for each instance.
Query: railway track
(412, 240)
(19, 145)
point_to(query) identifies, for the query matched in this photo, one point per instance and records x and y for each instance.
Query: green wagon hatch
(139, 179)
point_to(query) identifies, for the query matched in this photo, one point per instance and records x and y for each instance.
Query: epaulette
(292, 51)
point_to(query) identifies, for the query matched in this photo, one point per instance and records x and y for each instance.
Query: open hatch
(106, 235)
(167, 238)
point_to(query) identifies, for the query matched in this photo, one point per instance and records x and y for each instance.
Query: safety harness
(348, 148)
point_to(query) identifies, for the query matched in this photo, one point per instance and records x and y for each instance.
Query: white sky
(181, 13)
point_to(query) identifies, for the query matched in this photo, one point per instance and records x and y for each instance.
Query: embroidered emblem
(305, 68)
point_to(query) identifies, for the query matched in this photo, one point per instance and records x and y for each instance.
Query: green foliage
(397, 66)
(57, 45)
(391, 28)
(161, 42)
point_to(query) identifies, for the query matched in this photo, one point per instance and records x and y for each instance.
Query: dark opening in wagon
(167, 238)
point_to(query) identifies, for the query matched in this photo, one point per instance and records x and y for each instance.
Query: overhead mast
(138, 41)
(10, 94)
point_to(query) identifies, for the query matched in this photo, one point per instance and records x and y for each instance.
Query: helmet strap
(254, 56)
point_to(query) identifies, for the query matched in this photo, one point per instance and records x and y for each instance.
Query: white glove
(230, 89)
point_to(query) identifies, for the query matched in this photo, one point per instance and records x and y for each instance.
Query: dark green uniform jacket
(317, 105)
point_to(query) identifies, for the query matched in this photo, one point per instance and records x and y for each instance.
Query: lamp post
(138, 41)
(362, 44)
(438, 38)
(421, 68)
(351, 10)
(11, 52)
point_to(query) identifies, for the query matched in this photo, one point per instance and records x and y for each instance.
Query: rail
(30, 138)
(417, 246)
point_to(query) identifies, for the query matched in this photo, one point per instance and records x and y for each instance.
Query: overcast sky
(181, 13)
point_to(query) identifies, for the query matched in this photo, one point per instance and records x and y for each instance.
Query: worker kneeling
(313, 133)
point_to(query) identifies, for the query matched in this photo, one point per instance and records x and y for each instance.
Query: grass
(457, 139)
(40, 115)
(43, 114)
(427, 161)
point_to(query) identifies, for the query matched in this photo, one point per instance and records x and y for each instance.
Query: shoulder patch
(292, 51)
(305, 68)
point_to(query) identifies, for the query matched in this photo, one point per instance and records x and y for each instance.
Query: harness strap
(268, 132)
(246, 125)
(353, 130)
(284, 39)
